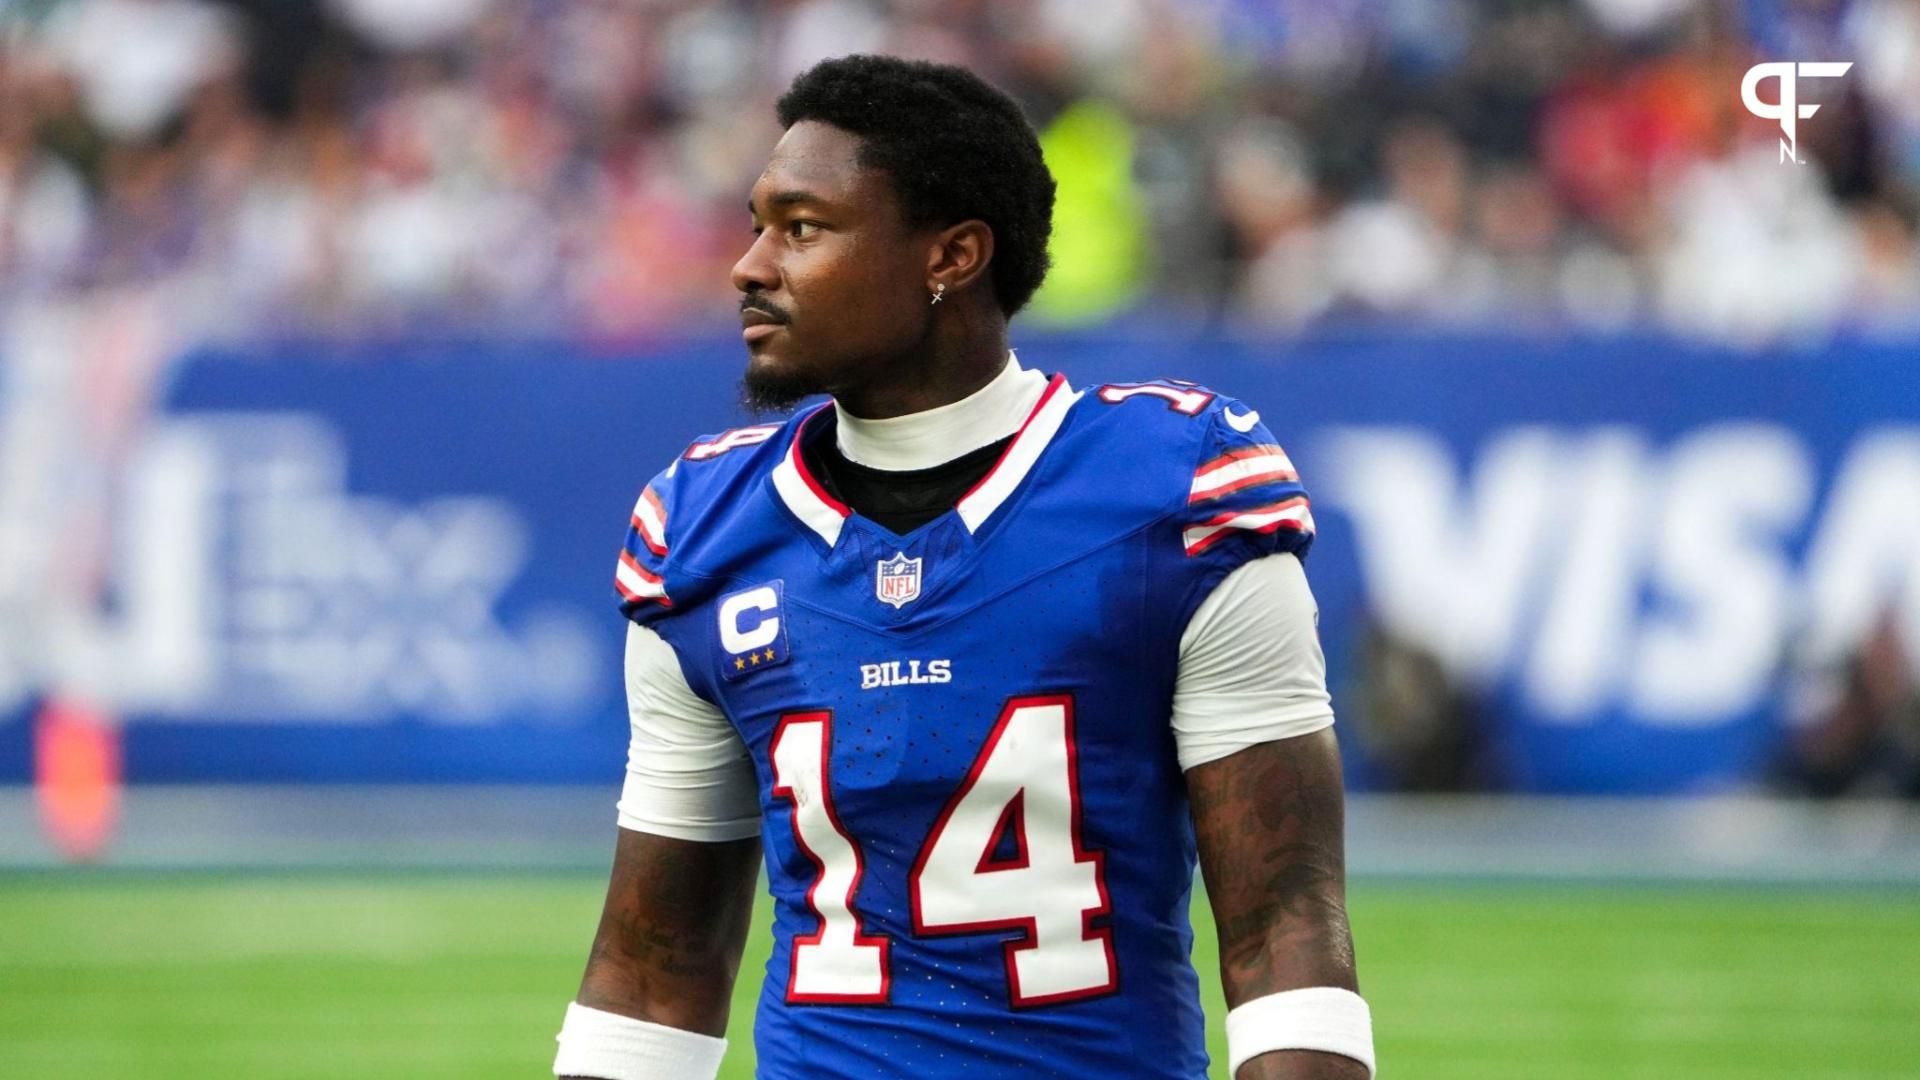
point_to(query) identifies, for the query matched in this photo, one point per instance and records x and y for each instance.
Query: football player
(980, 661)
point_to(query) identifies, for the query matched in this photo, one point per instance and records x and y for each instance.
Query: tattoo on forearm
(1269, 823)
(671, 933)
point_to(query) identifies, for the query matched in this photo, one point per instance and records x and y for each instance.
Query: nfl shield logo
(897, 580)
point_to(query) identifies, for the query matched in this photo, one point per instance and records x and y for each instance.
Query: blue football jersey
(976, 830)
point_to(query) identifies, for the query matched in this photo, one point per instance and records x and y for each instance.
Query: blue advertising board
(392, 562)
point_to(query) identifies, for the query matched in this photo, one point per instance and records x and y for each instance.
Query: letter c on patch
(738, 639)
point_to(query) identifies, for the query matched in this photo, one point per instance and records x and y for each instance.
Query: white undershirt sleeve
(688, 774)
(1251, 670)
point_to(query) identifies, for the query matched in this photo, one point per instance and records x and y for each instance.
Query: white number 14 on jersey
(1024, 783)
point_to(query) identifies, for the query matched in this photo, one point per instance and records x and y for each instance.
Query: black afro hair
(956, 149)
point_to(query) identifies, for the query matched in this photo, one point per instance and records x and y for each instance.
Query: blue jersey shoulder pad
(1244, 498)
(1234, 492)
(681, 510)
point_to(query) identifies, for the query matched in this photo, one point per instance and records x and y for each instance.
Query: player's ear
(959, 255)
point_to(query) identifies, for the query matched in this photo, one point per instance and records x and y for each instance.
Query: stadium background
(335, 339)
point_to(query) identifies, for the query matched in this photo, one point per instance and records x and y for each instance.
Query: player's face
(832, 287)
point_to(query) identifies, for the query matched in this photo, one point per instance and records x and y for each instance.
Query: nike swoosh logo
(1242, 423)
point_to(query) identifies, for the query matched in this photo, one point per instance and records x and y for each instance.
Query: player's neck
(962, 351)
(922, 440)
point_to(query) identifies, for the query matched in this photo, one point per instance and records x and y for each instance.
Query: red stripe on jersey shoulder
(1274, 476)
(650, 521)
(1293, 514)
(637, 584)
(1236, 454)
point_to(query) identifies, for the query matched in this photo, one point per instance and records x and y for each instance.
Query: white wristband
(608, 1046)
(1323, 1018)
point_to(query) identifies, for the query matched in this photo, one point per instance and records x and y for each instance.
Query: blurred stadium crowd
(547, 165)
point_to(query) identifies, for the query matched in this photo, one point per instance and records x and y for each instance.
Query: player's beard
(765, 391)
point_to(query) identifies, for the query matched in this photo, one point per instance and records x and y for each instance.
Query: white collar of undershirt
(924, 439)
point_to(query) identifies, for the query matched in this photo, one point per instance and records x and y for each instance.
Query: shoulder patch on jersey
(753, 630)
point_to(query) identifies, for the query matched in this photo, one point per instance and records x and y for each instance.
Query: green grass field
(130, 976)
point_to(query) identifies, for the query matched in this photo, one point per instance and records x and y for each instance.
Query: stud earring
(939, 292)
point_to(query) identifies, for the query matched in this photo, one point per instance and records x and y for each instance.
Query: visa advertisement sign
(395, 565)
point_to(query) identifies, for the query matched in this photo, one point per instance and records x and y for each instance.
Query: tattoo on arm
(1270, 822)
(672, 931)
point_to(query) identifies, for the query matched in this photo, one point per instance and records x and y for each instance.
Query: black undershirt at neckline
(899, 502)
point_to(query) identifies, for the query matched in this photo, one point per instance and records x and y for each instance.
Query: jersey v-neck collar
(816, 508)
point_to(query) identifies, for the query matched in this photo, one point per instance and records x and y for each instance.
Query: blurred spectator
(1858, 732)
(1416, 724)
(135, 62)
(530, 166)
(1099, 235)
